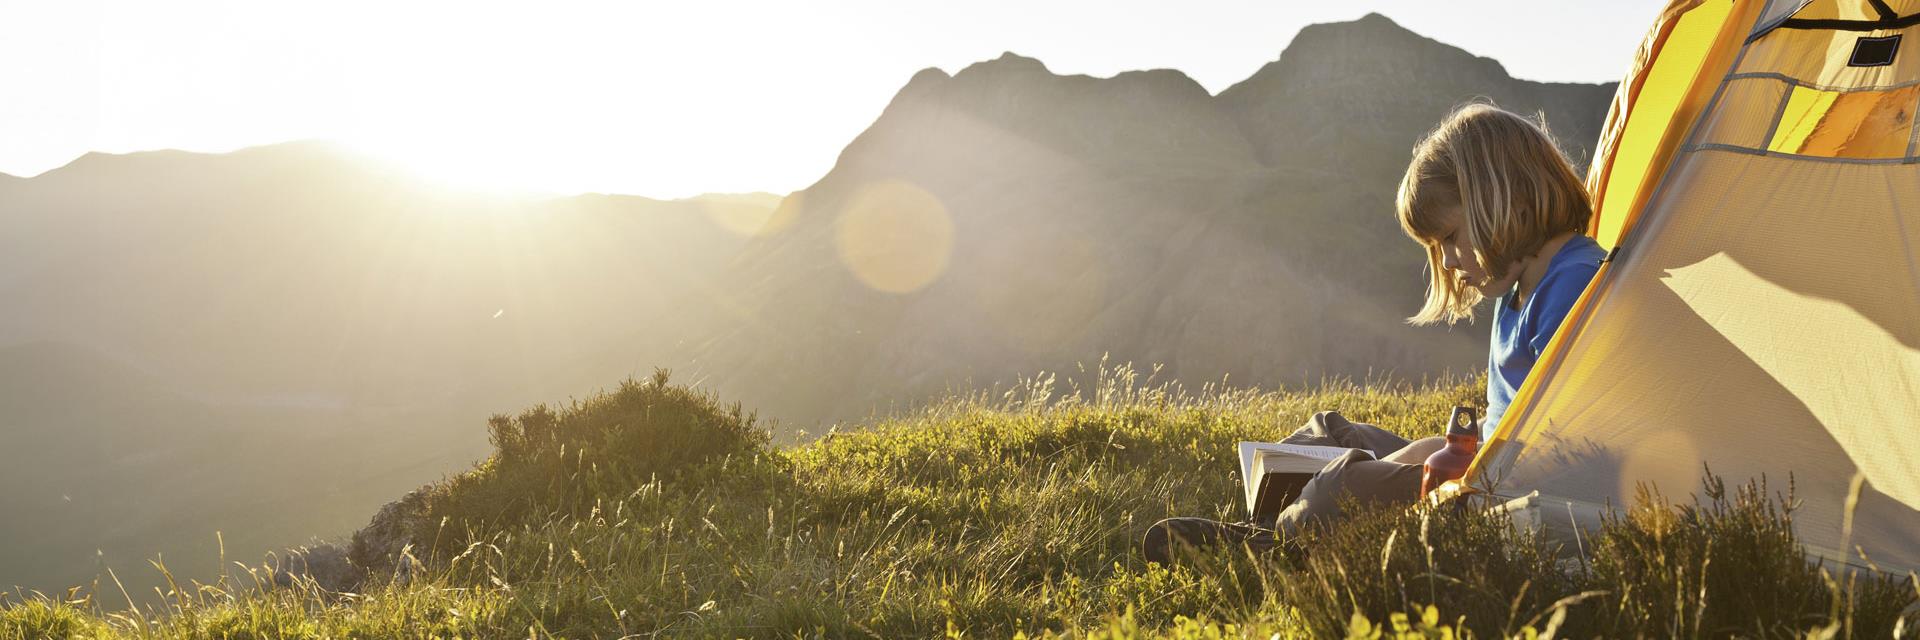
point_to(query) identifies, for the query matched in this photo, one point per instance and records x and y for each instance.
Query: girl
(1501, 214)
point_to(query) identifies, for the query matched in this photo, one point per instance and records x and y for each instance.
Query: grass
(653, 510)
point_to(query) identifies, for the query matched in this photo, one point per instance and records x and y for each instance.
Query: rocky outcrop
(385, 545)
(382, 548)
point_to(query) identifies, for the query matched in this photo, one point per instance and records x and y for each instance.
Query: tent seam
(1823, 87)
(1779, 114)
(1886, 12)
(1722, 146)
(1913, 132)
(1718, 146)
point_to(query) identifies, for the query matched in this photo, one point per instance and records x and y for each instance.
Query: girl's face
(1460, 261)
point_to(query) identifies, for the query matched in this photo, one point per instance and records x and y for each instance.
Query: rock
(382, 548)
(379, 547)
(326, 564)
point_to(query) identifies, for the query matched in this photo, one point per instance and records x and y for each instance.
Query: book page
(1260, 458)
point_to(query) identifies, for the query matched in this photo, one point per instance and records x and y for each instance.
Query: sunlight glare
(457, 168)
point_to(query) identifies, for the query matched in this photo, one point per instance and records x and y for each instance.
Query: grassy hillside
(653, 510)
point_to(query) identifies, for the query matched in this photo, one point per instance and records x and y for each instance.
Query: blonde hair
(1514, 189)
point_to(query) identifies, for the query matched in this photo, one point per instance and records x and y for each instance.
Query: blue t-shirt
(1520, 335)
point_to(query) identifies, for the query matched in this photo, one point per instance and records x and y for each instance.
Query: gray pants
(1351, 476)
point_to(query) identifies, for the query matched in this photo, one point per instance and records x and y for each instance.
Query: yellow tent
(1759, 185)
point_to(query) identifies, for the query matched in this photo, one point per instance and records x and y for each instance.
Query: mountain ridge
(1181, 188)
(1307, 44)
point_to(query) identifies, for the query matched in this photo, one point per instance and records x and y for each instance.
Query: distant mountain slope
(270, 342)
(297, 269)
(1059, 218)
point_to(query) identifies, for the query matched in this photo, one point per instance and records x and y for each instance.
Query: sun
(461, 168)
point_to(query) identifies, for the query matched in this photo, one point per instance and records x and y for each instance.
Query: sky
(662, 99)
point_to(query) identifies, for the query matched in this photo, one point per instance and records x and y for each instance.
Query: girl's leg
(1353, 476)
(1329, 428)
(1356, 475)
(1417, 451)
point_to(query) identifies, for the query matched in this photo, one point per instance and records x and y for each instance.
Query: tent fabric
(1636, 132)
(1762, 316)
(1746, 114)
(1865, 125)
(1818, 58)
(1703, 35)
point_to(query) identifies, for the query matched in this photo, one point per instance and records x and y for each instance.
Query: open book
(1275, 472)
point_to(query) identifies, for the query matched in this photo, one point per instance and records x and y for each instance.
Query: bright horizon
(655, 100)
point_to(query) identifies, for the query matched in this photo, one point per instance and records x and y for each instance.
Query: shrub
(563, 463)
(43, 617)
(1729, 564)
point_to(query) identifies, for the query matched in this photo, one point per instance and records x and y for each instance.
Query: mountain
(301, 271)
(1356, 94)
(1040, 220)
(273, 340)
(269, 342)
(1337, 115)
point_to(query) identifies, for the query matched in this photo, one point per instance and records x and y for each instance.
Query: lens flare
(894, 236)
